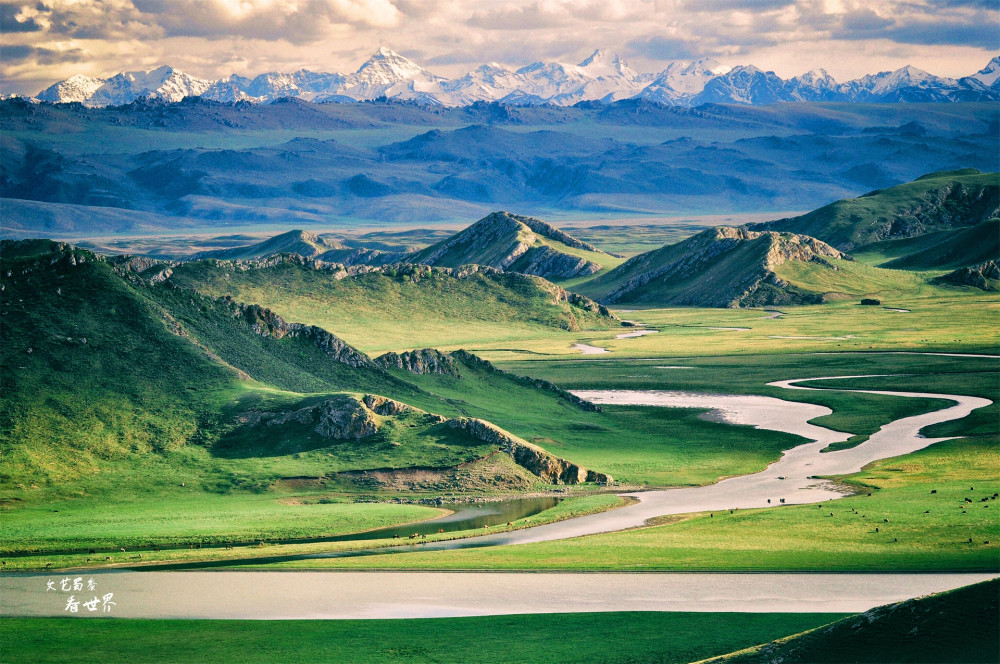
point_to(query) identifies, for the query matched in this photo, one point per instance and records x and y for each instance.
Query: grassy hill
(958, 626)
(110, 371)
(514, 243)
(948, 250)
(401, 307)
(936, 202)
(719, 267)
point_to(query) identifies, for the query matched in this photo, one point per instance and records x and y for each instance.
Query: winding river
(793, 479)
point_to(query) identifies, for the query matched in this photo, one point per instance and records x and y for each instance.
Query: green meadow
(622, 638)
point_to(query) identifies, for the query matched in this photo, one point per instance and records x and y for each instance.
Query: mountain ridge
(603, 76)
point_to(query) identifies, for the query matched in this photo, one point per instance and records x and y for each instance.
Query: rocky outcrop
(541, 463)
(387, 407)
(266, 323)
(545, 261)
(550, 231)
(720, 267)
(339, 419)
(420, 362)
(983, 276)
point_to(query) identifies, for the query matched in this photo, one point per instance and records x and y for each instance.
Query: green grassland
(160, 542)
(573, 637)
(947, 319)
(924, 531)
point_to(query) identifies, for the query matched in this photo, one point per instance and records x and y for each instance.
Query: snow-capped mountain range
(603, 77)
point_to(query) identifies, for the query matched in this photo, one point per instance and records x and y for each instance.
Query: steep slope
(935, 202)
(955, 626)
(947, 249)
(719, 267)
(399, 306)
(513, 243)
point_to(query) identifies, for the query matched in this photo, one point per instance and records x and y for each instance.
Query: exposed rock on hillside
(340, 419)
(719, 267)
(510, 242)
(538, 461)
(266, 323)
(420, 362)
(985, 276)
(387, 407)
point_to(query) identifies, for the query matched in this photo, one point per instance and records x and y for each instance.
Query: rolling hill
(513, 243)
(398, 307)
(119, 379)
(719, 267)
(936, 202)
(308, 245)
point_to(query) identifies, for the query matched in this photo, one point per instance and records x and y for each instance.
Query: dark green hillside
(951, 249)
(959, 626)
(91, 371)
(111, 369)
(719, 267)
(935, 202)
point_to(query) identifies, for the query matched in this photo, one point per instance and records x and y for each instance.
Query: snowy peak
(816, 78)
(989, 74)
(603, 76)
(76, 88)
(606, 64)
(387, 67)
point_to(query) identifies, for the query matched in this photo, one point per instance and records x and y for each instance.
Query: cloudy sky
(47, 40)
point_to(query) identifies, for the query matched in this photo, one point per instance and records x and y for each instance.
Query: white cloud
(213, 38)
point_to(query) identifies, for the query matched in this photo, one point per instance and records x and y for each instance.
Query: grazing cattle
(91, 551)
(768, 501)
(933, 490)
(885, 520)
(782, 499)
(440, 530)
(107, 557)
(395, 537)
(876, 528)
